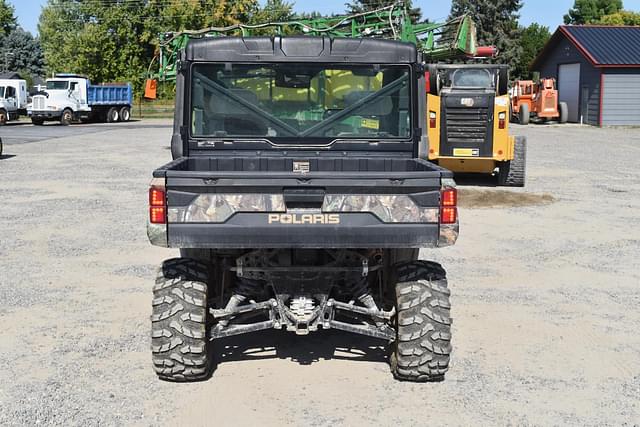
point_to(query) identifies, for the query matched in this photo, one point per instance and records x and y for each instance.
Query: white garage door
(621, 99)
(569, 89)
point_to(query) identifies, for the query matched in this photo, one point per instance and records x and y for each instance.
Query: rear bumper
(468, 164)
(45, 115)
(245, 231)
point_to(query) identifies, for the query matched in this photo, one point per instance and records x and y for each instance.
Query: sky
(545, 12)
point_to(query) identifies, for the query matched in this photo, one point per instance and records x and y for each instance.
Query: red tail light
(502, 120)
(157, 215)
(448, 215)
(449, 206)
(432, 119)
(449, 197)
(157, 206)
(156, 197)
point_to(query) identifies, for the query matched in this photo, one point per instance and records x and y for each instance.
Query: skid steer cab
(468, 122)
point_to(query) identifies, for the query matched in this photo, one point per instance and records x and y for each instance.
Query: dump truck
(13, 99)
(299, 195)
(72, 97)
(468, 129)
(537, 101)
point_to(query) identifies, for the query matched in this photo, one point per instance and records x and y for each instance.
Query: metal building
(598, 72)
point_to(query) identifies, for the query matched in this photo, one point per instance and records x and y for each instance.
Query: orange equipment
(539, 100)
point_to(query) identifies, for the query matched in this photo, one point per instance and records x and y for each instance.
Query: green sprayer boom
(436, 41)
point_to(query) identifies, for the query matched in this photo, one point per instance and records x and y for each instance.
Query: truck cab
(13, 99)
(65, 93)
(69, 97)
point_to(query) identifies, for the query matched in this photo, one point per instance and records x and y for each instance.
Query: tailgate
(311, 203)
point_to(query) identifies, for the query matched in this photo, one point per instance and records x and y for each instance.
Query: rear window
(472, 78)
(296, 102)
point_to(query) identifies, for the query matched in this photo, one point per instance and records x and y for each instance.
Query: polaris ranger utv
(299, 196)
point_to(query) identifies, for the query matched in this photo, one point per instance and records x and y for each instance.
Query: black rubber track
(423, 344)
(179, 340)
(514, 173)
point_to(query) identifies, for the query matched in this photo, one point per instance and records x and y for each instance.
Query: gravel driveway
(545, 301)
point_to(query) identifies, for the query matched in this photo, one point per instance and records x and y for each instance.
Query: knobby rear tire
(422, 349)
(179, 342)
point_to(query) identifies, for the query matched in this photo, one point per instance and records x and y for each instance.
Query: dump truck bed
(110, 94)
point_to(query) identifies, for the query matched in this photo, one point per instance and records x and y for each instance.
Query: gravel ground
(545, 300)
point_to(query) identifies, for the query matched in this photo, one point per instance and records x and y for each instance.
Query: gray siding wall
(566, 53)
(621, 97)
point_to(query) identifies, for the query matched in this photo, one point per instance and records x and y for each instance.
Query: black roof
(603, 46)
(10, 75)
(301, 49)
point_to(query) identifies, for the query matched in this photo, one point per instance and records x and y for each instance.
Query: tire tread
(423, 346)
(178, 321)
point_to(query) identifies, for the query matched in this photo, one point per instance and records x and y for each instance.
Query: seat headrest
(225, 105)
(378, 107)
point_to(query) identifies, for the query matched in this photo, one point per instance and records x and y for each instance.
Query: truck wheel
(112, 115)
(423, 324)
(3, 117)
(524, 114)
(513, 173)
(434, 80)
(563, 109)
(125, 114)
(37, 122)
(179, 340)
(66, 117)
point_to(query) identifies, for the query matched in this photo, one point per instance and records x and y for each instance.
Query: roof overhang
(561, 32)
(301, 49)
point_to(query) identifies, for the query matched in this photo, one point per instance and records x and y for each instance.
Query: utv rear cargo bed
(304, 218)
(234, 166)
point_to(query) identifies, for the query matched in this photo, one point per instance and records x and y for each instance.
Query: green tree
(273, 11)
(116, 40)
(532, 40)
(19, 50)
(26, 56)
(359, 6)
(624, 17)
(7, 18)
(591, 11)
(496, 25)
